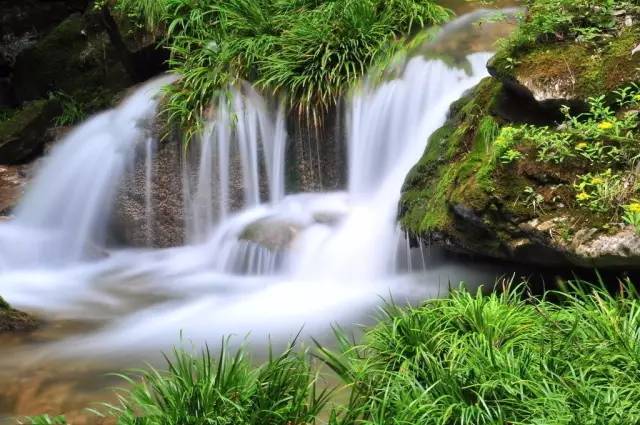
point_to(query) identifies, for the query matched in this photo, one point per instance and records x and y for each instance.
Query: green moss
(449, 167)
(76, 57)
(582, 69)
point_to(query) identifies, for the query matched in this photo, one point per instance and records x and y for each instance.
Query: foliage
(197, 389)
(632, 215)
(310, 51)
(73, 111)
(47, 420)
(585, 21)
(600, 192)
(497, 359)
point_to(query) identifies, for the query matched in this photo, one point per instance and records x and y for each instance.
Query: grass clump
(196, 389)
(498, 359)
(309, 51)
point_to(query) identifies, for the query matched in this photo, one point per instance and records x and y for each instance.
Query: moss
(76, 58)
(453, 156)
(23, 134)
(581, 70)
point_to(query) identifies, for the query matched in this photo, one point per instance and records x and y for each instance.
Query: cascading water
(257, 259)
(63, 216)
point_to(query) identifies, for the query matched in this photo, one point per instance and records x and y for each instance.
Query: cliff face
(538, 163)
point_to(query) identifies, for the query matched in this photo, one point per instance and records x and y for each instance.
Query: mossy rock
(570, 70)
(12, 321)
(460, 195)
(23, 133)
(75, 57)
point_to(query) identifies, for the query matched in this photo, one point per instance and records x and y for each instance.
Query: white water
(340, 252)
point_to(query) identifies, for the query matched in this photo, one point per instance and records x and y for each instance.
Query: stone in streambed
(15, 321)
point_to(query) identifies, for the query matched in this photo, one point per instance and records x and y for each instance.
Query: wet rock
(12, 321)
(13, 180)
(76, 57)
(272, 233)
(165, 227)
(24, 134)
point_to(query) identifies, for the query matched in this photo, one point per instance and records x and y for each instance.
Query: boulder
(15, 321)
(76, 58)
(458, 196)
(24, 134)
(271, 233)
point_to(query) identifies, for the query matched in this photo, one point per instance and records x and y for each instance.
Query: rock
(166, 225)
(12, 184)
(459, 198)
(618, 250)
(569, 71)
(77, 58)
(316, 154)
(271, 233)
(23, 135)
(15, 321)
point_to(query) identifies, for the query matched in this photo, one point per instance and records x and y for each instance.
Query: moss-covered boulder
(512, 187)
(538, 164)
(76, 58)
(24, 133)
(15, 321)
(587, 52)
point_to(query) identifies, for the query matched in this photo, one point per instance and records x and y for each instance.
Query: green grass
(309, 51)
(505, 358)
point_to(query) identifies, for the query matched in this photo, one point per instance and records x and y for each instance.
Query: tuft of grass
(198, 389)
(498, 359)
(308, 51)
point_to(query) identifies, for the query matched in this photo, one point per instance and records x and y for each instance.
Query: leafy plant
(600, 192)
(197, 389)
(308, 51)
(73, 111)
(632, 215)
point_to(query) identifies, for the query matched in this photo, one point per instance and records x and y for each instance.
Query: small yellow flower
(596, 181)
(634, 207)
(583, 196)
(582, 145)
(605, 125)
(636, 97)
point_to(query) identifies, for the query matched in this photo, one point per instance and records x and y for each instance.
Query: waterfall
(243, 137)
(256, 257)
(63, 215)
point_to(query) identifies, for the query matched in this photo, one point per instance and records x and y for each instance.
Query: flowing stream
(278, 263)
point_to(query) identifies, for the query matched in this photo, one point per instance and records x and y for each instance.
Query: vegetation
(309, 51)
(507, 358)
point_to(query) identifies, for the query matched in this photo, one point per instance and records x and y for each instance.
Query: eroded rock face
(165, 227)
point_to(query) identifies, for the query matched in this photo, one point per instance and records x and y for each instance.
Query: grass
(504, 358)
(308, 51)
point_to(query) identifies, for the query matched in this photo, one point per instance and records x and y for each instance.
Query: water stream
(280, 262)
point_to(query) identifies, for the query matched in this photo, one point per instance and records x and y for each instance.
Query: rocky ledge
(538, 163)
